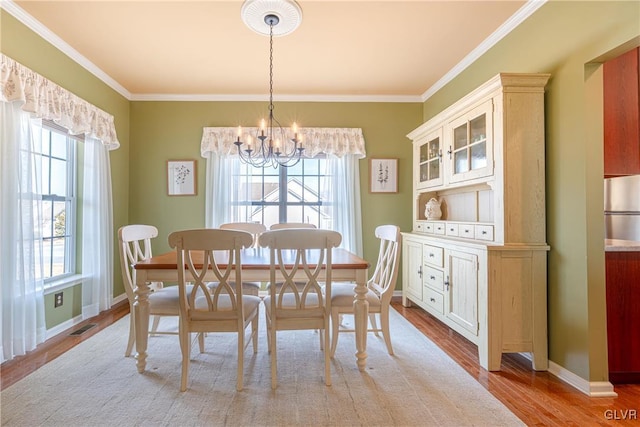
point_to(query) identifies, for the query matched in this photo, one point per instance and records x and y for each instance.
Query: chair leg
(201, 341)
(240, 373)
(156, 322)
(336, 318)
(384, 323)
(274, 371)
(374, 324)
(327, 355)
(132, 332)
(185, 347)
(254, 332)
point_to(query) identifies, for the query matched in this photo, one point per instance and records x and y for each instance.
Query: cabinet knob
(432, 277)
(432, 299)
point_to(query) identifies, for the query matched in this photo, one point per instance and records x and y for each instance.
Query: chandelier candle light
(272, 147)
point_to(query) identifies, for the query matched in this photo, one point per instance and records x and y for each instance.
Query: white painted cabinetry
(481, 268)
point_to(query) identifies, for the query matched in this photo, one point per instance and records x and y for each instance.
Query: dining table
(255, 267)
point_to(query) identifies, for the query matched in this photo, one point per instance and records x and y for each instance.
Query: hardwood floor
(537, 398)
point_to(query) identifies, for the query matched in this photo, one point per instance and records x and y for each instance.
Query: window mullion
(282, 194)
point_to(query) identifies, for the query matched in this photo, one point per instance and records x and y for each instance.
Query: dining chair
(299, 255)
(248, 288)
(135, 246)
(255, 228)
(285, 225)
(225, 309)
(380, 289)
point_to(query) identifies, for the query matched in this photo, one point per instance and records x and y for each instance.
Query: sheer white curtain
(342, 146)
(21, 269)
(344, 194)
(25, 94)
(97, 230)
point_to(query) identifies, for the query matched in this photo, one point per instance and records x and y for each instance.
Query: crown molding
(278, 98)
(509, 25)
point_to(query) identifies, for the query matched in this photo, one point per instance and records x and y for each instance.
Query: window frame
(284, 177)
(70, 200)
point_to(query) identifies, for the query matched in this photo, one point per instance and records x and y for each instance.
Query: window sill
(64, 283)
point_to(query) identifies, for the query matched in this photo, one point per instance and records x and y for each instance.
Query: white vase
(432, 210)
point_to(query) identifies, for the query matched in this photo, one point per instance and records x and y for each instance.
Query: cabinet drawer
(433, 278)
(432, 255)
(428, 227)
(484, 232)
(452, 229)
(434, 300)
(439, 228)
(419, 226)
(467, 230)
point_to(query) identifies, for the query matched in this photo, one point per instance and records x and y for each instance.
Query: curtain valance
(49, 101)
(335, 141)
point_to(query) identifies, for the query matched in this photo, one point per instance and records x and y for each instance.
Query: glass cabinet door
(471, 150)
(429, 156)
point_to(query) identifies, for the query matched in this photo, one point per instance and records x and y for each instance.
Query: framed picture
(383, 175)
(181, 177)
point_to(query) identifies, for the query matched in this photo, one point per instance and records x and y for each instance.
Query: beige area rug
(93, 384)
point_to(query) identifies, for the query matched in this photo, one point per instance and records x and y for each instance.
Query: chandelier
(270, 145)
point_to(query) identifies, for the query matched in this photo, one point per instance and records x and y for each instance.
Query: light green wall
(563, 38)
(172, 130)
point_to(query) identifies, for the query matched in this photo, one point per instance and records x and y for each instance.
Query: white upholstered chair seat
(289, 306)
(165, 301)
(225, 309)
(343, 294)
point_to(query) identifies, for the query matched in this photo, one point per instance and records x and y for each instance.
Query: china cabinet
(481, 268)
(428, 157)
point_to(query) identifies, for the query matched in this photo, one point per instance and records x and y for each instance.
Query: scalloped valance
(334, 141)
(49, 101)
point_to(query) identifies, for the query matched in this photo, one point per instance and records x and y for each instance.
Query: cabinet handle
(432, 277)
(440, 155)
(432, 299)
(431, 255)
(446, 283)
(484, 232)
(420, 271)
(449, 152)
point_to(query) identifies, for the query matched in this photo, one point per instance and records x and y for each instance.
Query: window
(56, 155)
(287, 194)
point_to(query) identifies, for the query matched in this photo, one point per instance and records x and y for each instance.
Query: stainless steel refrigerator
(622, 207)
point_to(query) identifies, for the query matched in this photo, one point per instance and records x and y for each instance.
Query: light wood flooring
(537, 398)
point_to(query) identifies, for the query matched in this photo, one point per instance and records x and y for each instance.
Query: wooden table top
(252, 259)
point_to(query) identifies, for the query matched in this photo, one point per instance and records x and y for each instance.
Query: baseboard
(59, 328)
(590, 388)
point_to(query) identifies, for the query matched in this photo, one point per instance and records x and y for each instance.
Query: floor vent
(84, 329)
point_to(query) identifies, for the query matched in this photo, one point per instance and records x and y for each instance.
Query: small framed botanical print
(181, 177)
(383, 175)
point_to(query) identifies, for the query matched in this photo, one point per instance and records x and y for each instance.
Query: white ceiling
(343, 50)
